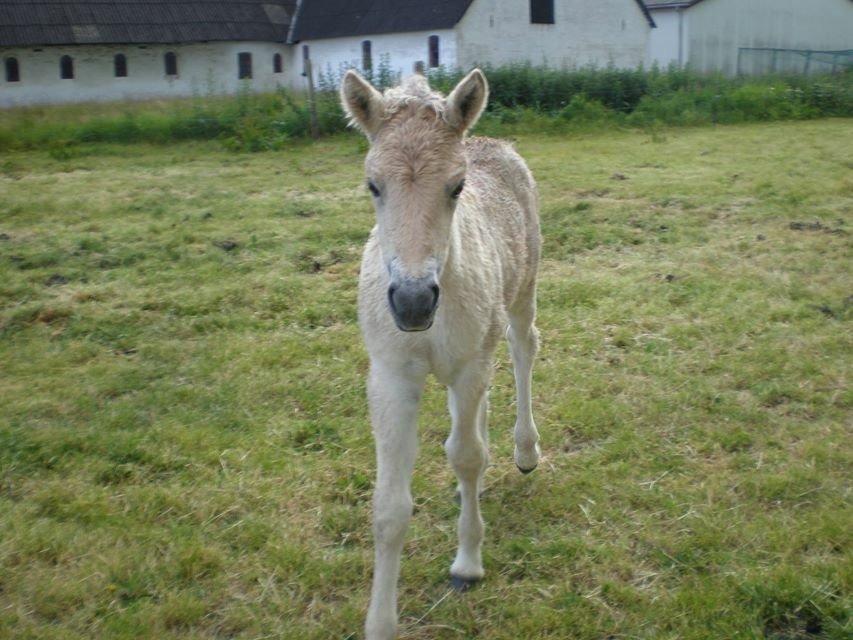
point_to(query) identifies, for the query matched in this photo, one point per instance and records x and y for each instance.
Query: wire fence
(758, 61)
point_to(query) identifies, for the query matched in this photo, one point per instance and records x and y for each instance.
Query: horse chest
(460, 336)
(446, 353)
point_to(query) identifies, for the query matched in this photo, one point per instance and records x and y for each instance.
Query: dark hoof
(461, 584)
(526, 471)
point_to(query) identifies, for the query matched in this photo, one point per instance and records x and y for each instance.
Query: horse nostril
(391, 291)
(434, 289)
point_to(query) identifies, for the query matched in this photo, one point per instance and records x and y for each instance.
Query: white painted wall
(598, 33)
(719, 27)
(667, 43)
(202, 69)
(335, 55)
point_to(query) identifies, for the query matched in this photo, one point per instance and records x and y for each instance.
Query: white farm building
(69, 51)
(75, 51)
(467, 33)
(753, 36)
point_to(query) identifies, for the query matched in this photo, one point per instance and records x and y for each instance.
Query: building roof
(63, 22)
(318, 19)
(645, 10)
(670, 4)
(336, 18)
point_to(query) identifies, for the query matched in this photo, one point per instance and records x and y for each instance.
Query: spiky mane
(415, 92)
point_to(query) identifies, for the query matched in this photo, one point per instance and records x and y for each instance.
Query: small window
(120, 65)
(13, 73)
(66, 68)
(366, 56)
(276, 63)
(542, 11)
(244, 65)
(433, 51)
(170, 61)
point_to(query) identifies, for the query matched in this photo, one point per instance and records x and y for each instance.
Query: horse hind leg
(524, 343)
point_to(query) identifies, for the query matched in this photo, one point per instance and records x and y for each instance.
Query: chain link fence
(759, 61)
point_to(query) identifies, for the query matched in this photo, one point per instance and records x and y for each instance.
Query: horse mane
(414, 94)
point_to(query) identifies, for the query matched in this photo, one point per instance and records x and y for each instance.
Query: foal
(448, 268)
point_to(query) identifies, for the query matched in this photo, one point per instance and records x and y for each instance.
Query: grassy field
(184, 448)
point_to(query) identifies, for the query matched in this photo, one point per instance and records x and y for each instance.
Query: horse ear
(467, 101)
(362, 103)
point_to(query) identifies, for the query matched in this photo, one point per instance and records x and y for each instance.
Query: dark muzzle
(413, 302)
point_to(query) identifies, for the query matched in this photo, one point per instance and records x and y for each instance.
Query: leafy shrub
(523, 98)
(582, 110)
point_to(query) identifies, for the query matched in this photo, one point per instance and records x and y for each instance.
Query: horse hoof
(461, 584)
(526, 471)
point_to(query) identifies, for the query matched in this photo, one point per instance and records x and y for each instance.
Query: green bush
(523, 98)
(582, 110)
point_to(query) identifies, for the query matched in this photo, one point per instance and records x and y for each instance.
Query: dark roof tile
(336, 18)
(57, 22)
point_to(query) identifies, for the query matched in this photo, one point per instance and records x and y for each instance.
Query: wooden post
(808, 63)
(312, 103)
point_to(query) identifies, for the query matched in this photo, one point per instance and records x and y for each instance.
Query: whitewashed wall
(602, 32)
(719, 27)
(667, 43)
(335, 55)
(202, 69)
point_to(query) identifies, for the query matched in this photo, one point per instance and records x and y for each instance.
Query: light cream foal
(449, 267)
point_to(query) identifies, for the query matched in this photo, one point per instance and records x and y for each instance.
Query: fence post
(808, 63)
(312, 103)
(739, 53)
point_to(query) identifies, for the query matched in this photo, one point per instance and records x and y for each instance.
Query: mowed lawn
(184, 445)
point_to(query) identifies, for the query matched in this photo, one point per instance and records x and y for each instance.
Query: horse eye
(458, 190)
(373, 188)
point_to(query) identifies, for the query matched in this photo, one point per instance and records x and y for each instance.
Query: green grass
(184, 446)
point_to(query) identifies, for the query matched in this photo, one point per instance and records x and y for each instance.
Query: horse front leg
(394, 395)
(468, 454)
